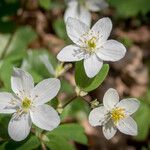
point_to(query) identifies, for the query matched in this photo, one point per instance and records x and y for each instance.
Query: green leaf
(20, 40)
(60, 29)
(46, 4)
(143, 121)
(5, 74)
(89, 84)
(130, 8)
(57, 142)
(30, 144)
(72, 132)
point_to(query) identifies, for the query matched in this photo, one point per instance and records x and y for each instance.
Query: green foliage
(21, 40)
(59, 138)
(30, 144)
(130, 8)
(57, 142)
(45, 4)
(60, 29)
(13, 50)
(89, 84)
(142, 119)
(71, 132)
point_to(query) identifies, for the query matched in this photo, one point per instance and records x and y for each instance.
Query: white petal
(130, 105)
(45, 60)
(111, 98)
(111, 50)
(96, 5)
(71, 10)
(109, 130)
(21, 83)
(19, 127)
(69, 54)
(76, 29)
(45, 91)
(85, 16)
(92, 65)
(98, 116)
(127, 126)
(5, 103)
(45, 117)
(103, 27)
(78, 12)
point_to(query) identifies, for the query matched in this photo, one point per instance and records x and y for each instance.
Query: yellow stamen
(26, 103)
(117, 114)
(91, 43)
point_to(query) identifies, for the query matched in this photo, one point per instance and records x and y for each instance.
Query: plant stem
(69, 101)
(43, 146)
(7, 46)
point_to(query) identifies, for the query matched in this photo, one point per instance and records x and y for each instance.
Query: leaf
(89, 84)
(57, 142)
(30, 144)
(46, 4)
(143, 122)
(72, 132)
(60, 29)
(130, 8)
(5, 74)
(20, 40)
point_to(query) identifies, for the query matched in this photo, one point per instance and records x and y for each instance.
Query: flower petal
(92, 65)
(130, 105)
(6, 105)
(111, 51)
(19, 127)
(98, 116)
(109, 130)
(45, 91)
(96, 5)
(103, 27)
(76, 29)
(45, 117)
(127, 126)
(110, 99)
(21, 83)
(70, 53)
(78, 12)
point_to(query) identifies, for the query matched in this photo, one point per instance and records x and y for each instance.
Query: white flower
(28, 104)
(81, 10)
(115, 115)
(91, 45)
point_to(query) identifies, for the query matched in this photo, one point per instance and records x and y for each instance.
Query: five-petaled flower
(28, 104)
(80, 9)
(115, 115)
(91, 45)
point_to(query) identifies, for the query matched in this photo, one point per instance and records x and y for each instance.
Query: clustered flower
(91, 45)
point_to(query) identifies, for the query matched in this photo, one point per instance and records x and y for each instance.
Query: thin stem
(69, 101)
(7, 46)
(43, 146)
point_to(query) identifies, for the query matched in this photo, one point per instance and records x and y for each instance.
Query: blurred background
(32, 28)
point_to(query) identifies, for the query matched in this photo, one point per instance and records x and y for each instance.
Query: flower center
(26, 104)
(92, 43)
(117, 114)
